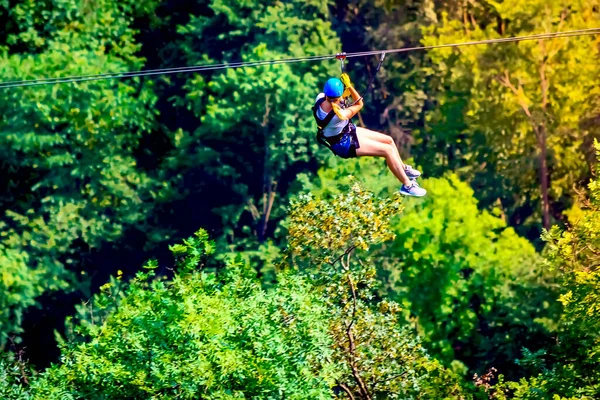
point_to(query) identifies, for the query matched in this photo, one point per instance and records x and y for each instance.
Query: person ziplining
(337, 132)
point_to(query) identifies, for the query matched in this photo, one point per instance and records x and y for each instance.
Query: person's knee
(391, 146)
(389, 152)
(389, 140)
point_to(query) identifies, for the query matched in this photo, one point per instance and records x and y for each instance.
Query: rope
(370, 80)
(212, 67)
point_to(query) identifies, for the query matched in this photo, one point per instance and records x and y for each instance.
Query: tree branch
(364, 392)
(544, 82)
(268, 184)
(252, 208)
(506, 81)
(388, 379)
(347, 390)
(353, 290)
(265, 120)
(347, 252)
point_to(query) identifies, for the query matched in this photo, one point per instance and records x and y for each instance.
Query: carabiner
(341, 57)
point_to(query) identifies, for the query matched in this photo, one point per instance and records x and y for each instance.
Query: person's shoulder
(319, 96)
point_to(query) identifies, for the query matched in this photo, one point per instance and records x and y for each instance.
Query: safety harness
(322, 123)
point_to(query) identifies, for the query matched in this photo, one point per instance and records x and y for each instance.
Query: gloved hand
(345, 80)
(347, 84)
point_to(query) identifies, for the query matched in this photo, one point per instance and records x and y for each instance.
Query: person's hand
(345, 80)
(338, 111)
(347, 85)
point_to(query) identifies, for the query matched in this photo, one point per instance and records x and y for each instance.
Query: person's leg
(380, 137)
(370, 147)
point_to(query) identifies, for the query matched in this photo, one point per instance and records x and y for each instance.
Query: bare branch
(353, 289)
(268, 184)
(388, 379)
(364, 392)
(347, 252)
(268, 205)
(265, 120)
(253, 210)
(506, 81)
(347, 390)
(355, 373)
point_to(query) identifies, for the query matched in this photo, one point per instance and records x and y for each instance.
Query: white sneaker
(413, 190)
(411, 172)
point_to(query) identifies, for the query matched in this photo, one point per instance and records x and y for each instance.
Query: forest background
(184, 236)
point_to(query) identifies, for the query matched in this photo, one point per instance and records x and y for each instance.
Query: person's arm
(355, 108)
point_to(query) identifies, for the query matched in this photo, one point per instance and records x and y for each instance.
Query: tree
(218, 335)
(254, 130)
(20, 287)
(378, 355)
(212, 331)
(520, 105)
(14, 377)
(71, 181)
(475, 290)
(408, 85)
(569, 368)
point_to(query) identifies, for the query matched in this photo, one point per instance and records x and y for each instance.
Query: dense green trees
(76, 155)
(99, 174)
(514, 120)
(451, 262)
(570, 367)
(319, 334)
(253, 134)
(329, 240)
(70, 178)
(519, 107)
(218, 335)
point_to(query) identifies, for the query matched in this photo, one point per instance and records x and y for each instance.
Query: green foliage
(377, 356)
(218, 336)
(72, 182)
(510, 115)
(14, 378)
(451, 262)
(329, 229)
(468, 282)
(33, 25)
(85, 163)
(19, 286)
(94, 312)
(255, 129)
(570, 368)
(192, 253)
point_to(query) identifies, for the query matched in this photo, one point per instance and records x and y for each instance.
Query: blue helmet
(333, 88)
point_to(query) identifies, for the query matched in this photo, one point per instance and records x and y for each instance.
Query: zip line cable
(151, 72)
(555, 35)
(212, 67)
(200, 68)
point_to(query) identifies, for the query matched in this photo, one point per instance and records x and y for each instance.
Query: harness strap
(322, 123)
